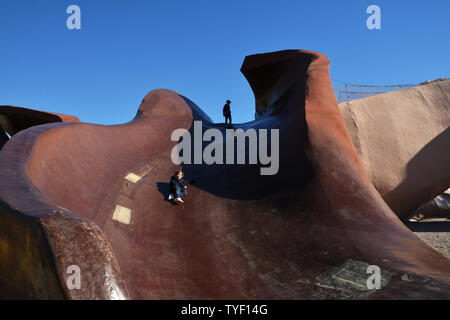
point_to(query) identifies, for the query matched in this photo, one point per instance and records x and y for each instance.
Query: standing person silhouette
(227, 111)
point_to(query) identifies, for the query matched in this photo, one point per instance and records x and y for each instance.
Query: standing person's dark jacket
(177, 187)
(226, 110)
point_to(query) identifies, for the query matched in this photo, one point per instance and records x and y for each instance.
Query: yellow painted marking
(133, 177)
(122, 214)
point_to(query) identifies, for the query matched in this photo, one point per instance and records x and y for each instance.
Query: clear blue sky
(127, 48)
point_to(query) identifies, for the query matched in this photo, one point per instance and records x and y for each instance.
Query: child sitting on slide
(177, 187)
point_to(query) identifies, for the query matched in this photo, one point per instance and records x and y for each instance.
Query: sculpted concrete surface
(95, 196)
(403, 140)
(14, 119)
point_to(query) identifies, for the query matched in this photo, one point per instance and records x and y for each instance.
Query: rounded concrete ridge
(95, 196)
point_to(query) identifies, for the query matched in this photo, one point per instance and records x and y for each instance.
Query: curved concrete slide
(14, 119)
(403, 138)
(95, 196)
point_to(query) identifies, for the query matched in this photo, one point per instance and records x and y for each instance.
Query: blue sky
(127, 48)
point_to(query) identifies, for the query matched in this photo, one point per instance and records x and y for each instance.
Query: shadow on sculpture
(418, 167)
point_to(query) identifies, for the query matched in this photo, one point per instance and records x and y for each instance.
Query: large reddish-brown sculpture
(403, 138)
(14, 119)
(94, 196)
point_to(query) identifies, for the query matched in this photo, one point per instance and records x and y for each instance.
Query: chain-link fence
(348, 91)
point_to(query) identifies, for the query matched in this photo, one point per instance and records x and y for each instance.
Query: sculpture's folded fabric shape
(403, 139)
(93, 196)
(14, 119)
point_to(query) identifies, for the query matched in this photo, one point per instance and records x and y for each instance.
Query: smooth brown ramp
(94, 196)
